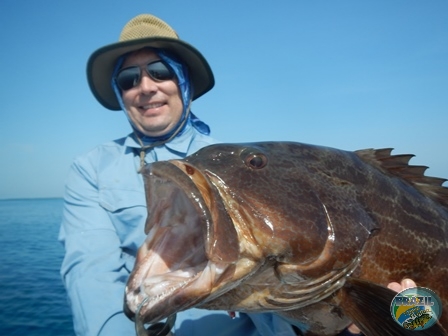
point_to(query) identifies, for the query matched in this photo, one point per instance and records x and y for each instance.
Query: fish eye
(256, 161)
(189, 170)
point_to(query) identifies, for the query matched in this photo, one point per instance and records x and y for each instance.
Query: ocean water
(32, 298)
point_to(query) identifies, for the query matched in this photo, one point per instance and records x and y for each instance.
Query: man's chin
(155, 132)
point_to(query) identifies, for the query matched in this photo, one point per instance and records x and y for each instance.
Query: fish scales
(309, 232)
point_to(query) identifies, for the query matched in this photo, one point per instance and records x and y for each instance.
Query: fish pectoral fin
(368, 306)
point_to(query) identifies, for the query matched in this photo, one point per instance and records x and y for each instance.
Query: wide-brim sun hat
(145, 30)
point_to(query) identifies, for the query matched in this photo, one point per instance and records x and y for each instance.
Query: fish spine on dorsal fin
(398, 165)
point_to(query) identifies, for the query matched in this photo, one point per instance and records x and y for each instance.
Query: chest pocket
(127, 211)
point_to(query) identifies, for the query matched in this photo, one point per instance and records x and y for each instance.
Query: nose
(147, 84)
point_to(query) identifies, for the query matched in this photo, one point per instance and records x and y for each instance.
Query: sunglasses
(128, 78)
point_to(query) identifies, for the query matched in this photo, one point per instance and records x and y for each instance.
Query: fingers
(398, 287)
(408, 283)
(395, 286)
(353, 329)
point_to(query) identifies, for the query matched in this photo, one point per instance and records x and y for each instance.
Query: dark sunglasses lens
(159, 71)
(128, 78)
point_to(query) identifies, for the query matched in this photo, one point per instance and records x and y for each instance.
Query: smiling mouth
(151, 106)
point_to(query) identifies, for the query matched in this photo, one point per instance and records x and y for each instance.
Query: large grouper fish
(312, 233)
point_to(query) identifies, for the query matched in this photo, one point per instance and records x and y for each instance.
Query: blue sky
(349, 74)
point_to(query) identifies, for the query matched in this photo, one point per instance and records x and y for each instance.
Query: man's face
(154, 107)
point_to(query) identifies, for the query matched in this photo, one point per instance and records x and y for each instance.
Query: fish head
(235, 217)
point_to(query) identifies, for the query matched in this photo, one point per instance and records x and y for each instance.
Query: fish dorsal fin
(398, 165)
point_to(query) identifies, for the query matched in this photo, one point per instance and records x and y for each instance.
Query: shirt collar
(180, 143)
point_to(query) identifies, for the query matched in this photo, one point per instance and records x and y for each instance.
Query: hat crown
(144, 26)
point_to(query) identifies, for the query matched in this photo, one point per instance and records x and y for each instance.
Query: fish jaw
(182, 262)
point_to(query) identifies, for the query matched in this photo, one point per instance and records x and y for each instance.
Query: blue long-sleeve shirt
(102, 228)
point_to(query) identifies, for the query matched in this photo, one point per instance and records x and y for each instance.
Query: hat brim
(101, 63)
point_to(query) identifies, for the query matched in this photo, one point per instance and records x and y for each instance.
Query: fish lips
(191, 243)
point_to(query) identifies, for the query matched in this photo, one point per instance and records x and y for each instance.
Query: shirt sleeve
(93, 270)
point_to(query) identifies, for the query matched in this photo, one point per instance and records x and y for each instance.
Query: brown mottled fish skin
(312, 233)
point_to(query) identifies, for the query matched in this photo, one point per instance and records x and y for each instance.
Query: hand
(398, 287)
(395, 286)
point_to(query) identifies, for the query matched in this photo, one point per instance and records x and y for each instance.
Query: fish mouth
(179, 264)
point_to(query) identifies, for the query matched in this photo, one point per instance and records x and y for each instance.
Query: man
(152, 76)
